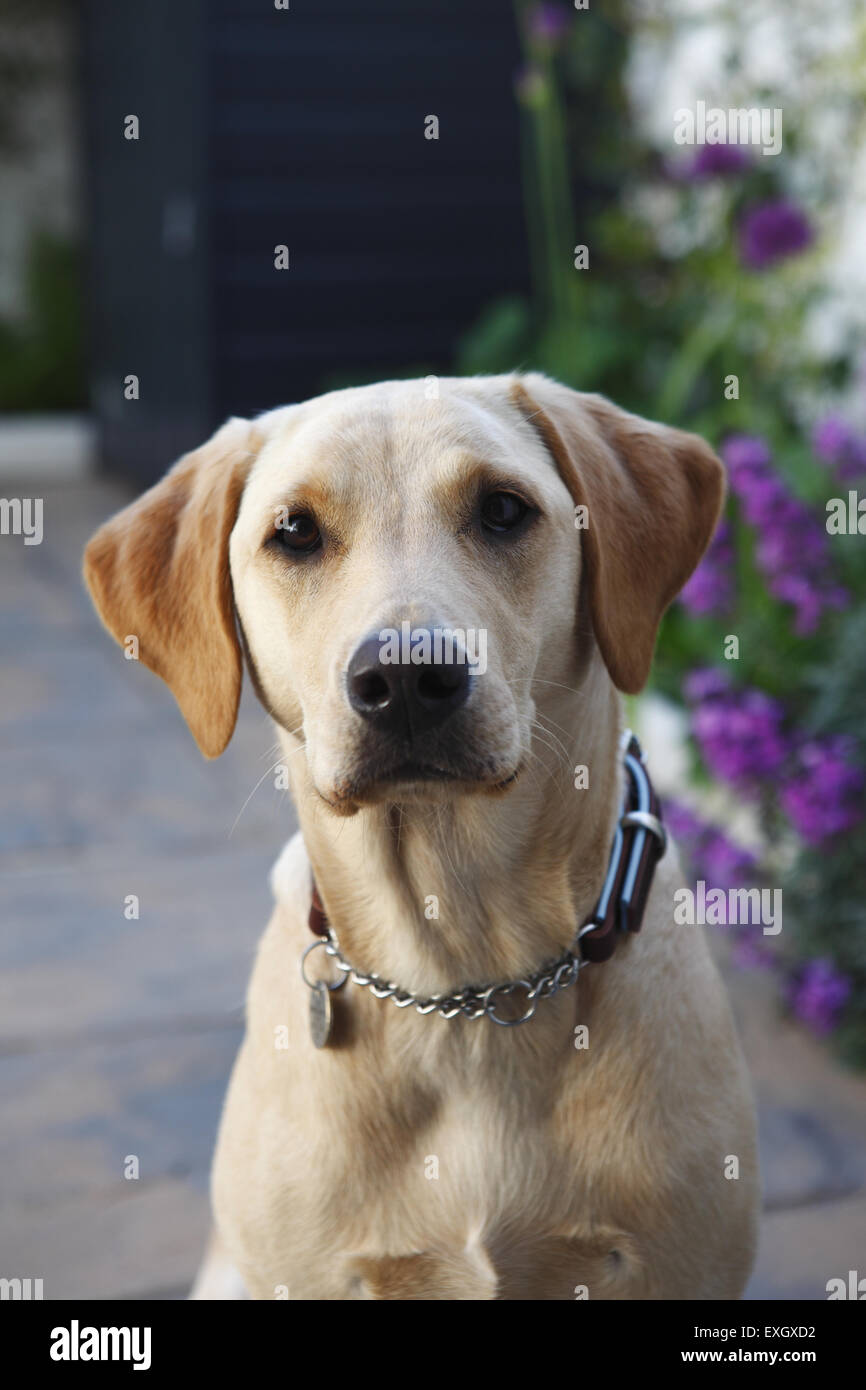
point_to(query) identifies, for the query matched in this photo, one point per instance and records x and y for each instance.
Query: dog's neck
(475, 888)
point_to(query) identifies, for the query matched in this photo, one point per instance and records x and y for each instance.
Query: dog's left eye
(300, 534)
(502, 511)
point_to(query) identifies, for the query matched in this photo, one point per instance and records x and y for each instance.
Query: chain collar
(471, 1002)
(639, 842)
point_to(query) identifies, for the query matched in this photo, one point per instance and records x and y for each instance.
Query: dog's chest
(377, 1179)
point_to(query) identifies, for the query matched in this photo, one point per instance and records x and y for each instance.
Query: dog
(600, 1145)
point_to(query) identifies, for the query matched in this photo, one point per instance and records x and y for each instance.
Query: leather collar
(639, 843)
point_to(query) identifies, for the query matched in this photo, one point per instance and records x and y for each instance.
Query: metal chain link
(472, 1002)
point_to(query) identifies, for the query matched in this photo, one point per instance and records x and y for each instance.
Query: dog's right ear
(159, 572)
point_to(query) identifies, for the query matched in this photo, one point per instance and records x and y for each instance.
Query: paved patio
(117, 1036)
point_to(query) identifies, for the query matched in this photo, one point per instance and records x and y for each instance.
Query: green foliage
(41, 359)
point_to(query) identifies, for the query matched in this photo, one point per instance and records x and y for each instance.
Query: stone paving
(117, 1036)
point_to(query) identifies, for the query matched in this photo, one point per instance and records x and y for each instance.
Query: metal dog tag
(321, 1014)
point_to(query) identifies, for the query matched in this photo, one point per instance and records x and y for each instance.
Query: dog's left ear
(652, 495)
(159, 572)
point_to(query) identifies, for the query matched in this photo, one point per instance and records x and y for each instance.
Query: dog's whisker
(538, 758)
(562, 763)
(553, 737)
(271, 749)
(539, 680)
(569, 733)
(560, 753)
(558, 780)
(268, 770)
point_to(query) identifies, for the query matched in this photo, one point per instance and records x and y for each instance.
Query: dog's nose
(407, 696)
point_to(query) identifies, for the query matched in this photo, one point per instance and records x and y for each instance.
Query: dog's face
(395, 566)
(407, 572)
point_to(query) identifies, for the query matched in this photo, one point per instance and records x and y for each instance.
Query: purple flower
(818, 993)
(706, 683)
(772, 231)
(824, 796)
(711, 587)
(761, 494)
(726, 864)
(835, 443)
(683, 824)
(746, 451)
(711, 855)
(810, 601)
(831, 437)
(741, 739)
(549, 22)
(740, 736)
(793, 550)
(717, 161)
(750, 953)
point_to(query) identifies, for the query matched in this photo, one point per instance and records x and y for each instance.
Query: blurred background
(216, 207)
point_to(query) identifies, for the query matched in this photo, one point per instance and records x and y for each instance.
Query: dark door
(305, 128)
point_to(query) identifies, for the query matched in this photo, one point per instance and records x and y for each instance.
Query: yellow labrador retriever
(460, 803)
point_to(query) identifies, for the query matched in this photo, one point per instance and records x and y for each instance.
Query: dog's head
(405, 572)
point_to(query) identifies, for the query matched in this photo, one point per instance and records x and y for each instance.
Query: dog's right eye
(502, 511)
(299, 534)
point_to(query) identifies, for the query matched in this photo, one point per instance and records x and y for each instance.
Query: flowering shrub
(792, 548)
(709, 270)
